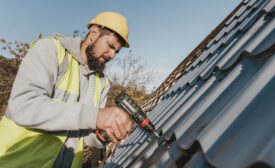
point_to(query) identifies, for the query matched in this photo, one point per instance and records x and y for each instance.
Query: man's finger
(126, 122)
(110, 135)
(121, 127)
(116, 131)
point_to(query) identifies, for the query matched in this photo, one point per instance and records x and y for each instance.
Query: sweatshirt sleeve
(30, 103)
(103, 97)
(91, 139)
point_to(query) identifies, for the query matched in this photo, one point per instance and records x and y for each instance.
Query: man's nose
(112, 54)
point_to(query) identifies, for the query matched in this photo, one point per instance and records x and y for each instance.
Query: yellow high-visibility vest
(23, 147)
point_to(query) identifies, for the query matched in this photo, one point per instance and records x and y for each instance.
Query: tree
(131, 72)
(17, 49)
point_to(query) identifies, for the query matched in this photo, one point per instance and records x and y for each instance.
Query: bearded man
(59, 95)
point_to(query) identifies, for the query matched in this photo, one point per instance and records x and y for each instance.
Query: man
(58, 98)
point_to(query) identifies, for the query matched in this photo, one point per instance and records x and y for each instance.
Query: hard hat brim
(127, 45)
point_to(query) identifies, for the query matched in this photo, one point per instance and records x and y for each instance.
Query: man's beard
(93, 62)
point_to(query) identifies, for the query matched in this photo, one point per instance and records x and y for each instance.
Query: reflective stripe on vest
(21, 147)
(97, 90)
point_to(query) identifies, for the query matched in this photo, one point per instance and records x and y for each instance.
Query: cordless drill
(125, 102)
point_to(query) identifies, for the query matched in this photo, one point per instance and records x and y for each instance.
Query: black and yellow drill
(125, 102)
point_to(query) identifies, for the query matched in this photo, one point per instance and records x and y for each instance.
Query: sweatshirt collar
(72, 44)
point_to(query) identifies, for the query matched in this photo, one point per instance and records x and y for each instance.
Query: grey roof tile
(198, 161)
(220, 113)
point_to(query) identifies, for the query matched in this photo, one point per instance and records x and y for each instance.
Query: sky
(162, 32)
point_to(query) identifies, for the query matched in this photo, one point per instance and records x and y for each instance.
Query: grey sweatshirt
(30, 104)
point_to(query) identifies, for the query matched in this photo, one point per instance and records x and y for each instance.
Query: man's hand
(115, 122)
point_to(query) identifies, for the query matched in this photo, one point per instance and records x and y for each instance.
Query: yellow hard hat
(113, 21)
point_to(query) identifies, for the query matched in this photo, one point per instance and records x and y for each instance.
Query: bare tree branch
(132, 72)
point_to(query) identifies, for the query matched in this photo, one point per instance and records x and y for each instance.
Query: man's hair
(105, 31)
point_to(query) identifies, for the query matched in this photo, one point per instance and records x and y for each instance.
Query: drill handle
(102, 136)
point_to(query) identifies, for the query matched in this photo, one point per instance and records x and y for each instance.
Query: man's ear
(94, 32)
